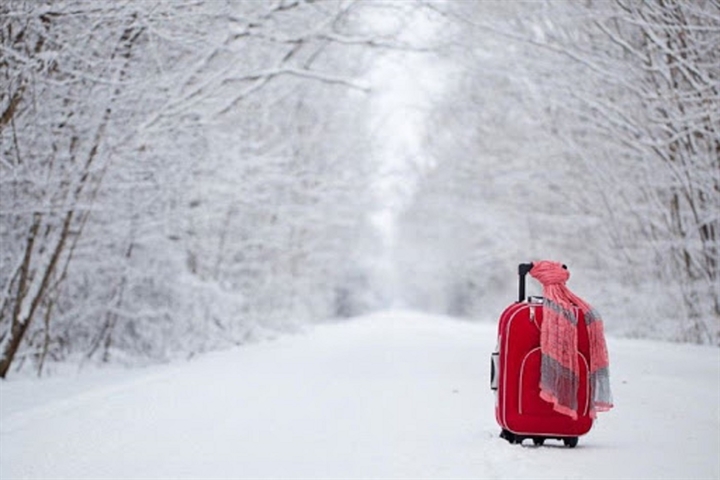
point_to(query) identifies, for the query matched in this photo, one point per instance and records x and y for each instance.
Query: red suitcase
(515, 376)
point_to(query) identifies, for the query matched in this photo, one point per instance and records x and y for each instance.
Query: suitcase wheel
(570, 442)
(510, 437)
(514, 439)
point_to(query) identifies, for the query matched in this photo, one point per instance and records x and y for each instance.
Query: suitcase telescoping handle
(523, 270)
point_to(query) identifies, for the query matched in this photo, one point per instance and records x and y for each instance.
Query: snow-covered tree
(657, 110)
(596, 125)
(498, 194)
(178, 175)
(59, 107)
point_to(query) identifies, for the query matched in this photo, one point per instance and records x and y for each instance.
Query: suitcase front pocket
(529, 401)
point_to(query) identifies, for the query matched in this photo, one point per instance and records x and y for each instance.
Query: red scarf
(559, 378)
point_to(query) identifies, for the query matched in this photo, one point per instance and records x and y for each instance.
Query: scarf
(560, 370)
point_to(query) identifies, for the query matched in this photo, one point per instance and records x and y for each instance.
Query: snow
(396, 394)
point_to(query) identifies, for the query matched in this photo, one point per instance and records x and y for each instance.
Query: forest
(181, 176)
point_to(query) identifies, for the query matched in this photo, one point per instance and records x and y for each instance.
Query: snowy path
(393, 395)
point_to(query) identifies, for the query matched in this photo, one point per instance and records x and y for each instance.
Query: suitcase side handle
(494, 370)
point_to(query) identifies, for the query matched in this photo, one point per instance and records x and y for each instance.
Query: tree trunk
(21, 319)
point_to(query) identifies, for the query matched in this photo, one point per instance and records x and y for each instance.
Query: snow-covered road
(391, 395)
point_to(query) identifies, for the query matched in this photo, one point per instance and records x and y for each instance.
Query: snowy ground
(392, 395)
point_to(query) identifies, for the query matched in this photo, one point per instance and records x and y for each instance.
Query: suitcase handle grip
(523, 270)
